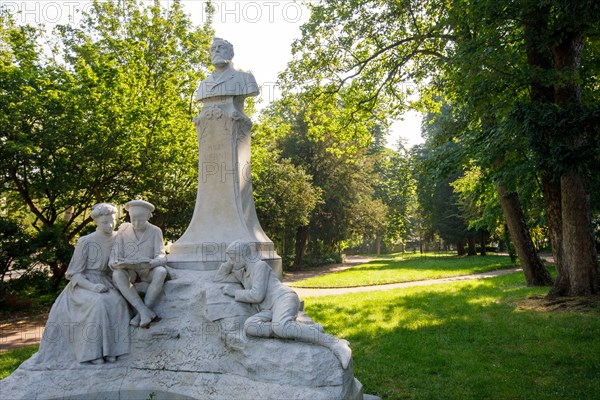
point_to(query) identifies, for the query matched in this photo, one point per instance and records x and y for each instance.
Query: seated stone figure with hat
(138, 254)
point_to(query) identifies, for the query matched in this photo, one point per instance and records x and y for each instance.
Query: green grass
(11, 359)
(465, 340)
(407, 269)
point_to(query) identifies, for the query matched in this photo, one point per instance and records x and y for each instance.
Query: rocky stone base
(196, 351)
(95, 383)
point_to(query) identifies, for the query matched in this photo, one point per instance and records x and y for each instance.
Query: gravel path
(22, 332)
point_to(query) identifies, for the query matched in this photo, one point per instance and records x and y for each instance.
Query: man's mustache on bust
(220, 59)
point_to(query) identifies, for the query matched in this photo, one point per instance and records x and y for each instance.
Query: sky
(261, 32)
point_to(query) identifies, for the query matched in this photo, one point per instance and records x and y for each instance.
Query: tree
(479, 49)
(449, 220)
(102, 115)
(563, 131)
(316, 135)
(283, 193)
(421, 222)
(395, 187)
(15, 248)
(478, 200)
(454, 135)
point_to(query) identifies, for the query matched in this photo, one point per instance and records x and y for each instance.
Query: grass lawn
(407, 268)
(10, 360)
(466, 340)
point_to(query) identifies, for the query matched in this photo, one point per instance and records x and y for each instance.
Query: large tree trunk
(566, 199)
(535, 272)
(58, 273)
(472, 246)
(552, 201)
(579, 248)
(540, 59)
(460, 247)
(482, 243)
(301, 240)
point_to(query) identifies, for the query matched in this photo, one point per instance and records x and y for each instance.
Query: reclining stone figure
(277, 304)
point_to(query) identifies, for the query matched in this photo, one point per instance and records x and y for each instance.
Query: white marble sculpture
(224, 209)
(89, 321)
(277, 304)
(207, 345)
(225, 80)
(139, 253)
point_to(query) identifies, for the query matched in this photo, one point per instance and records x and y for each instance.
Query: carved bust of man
(225, 80)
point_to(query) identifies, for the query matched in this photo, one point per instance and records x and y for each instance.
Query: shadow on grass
(465, 341)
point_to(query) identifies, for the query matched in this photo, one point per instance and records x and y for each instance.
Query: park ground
(26, 328)
(450, 337)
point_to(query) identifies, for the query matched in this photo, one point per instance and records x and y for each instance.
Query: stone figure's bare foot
(342, 351)
(146, 318)
(111, 359)
(97, 361)
(319, 327)
(135, 321)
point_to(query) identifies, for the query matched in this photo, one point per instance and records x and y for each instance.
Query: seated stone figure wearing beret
(139, 254)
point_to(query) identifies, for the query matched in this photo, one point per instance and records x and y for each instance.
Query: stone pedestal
(196, 351)
(224, 210)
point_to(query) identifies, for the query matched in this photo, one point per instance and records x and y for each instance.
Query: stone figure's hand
(117, 265)
(226, 267)
(100, 288)
(229, 291)
(154, 263)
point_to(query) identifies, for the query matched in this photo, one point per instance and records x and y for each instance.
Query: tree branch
(25, 196)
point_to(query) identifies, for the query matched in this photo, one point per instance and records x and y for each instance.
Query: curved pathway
(304, 292)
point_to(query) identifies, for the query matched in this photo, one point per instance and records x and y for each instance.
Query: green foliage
(53, 249)
(438, 202)
(561, 126)
(285, 198)
(15, 248)
(285, 194)
(317, 259)
(422, 212)
(369, 48)
(316, 136)
(464, 340)
(449, 220)
(30, 292)
(395, 187)
(478, 200)
(21, 284)
(103, 114)
(476, 63)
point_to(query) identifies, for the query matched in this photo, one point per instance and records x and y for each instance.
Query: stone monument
(221, 327)
(224, 210)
